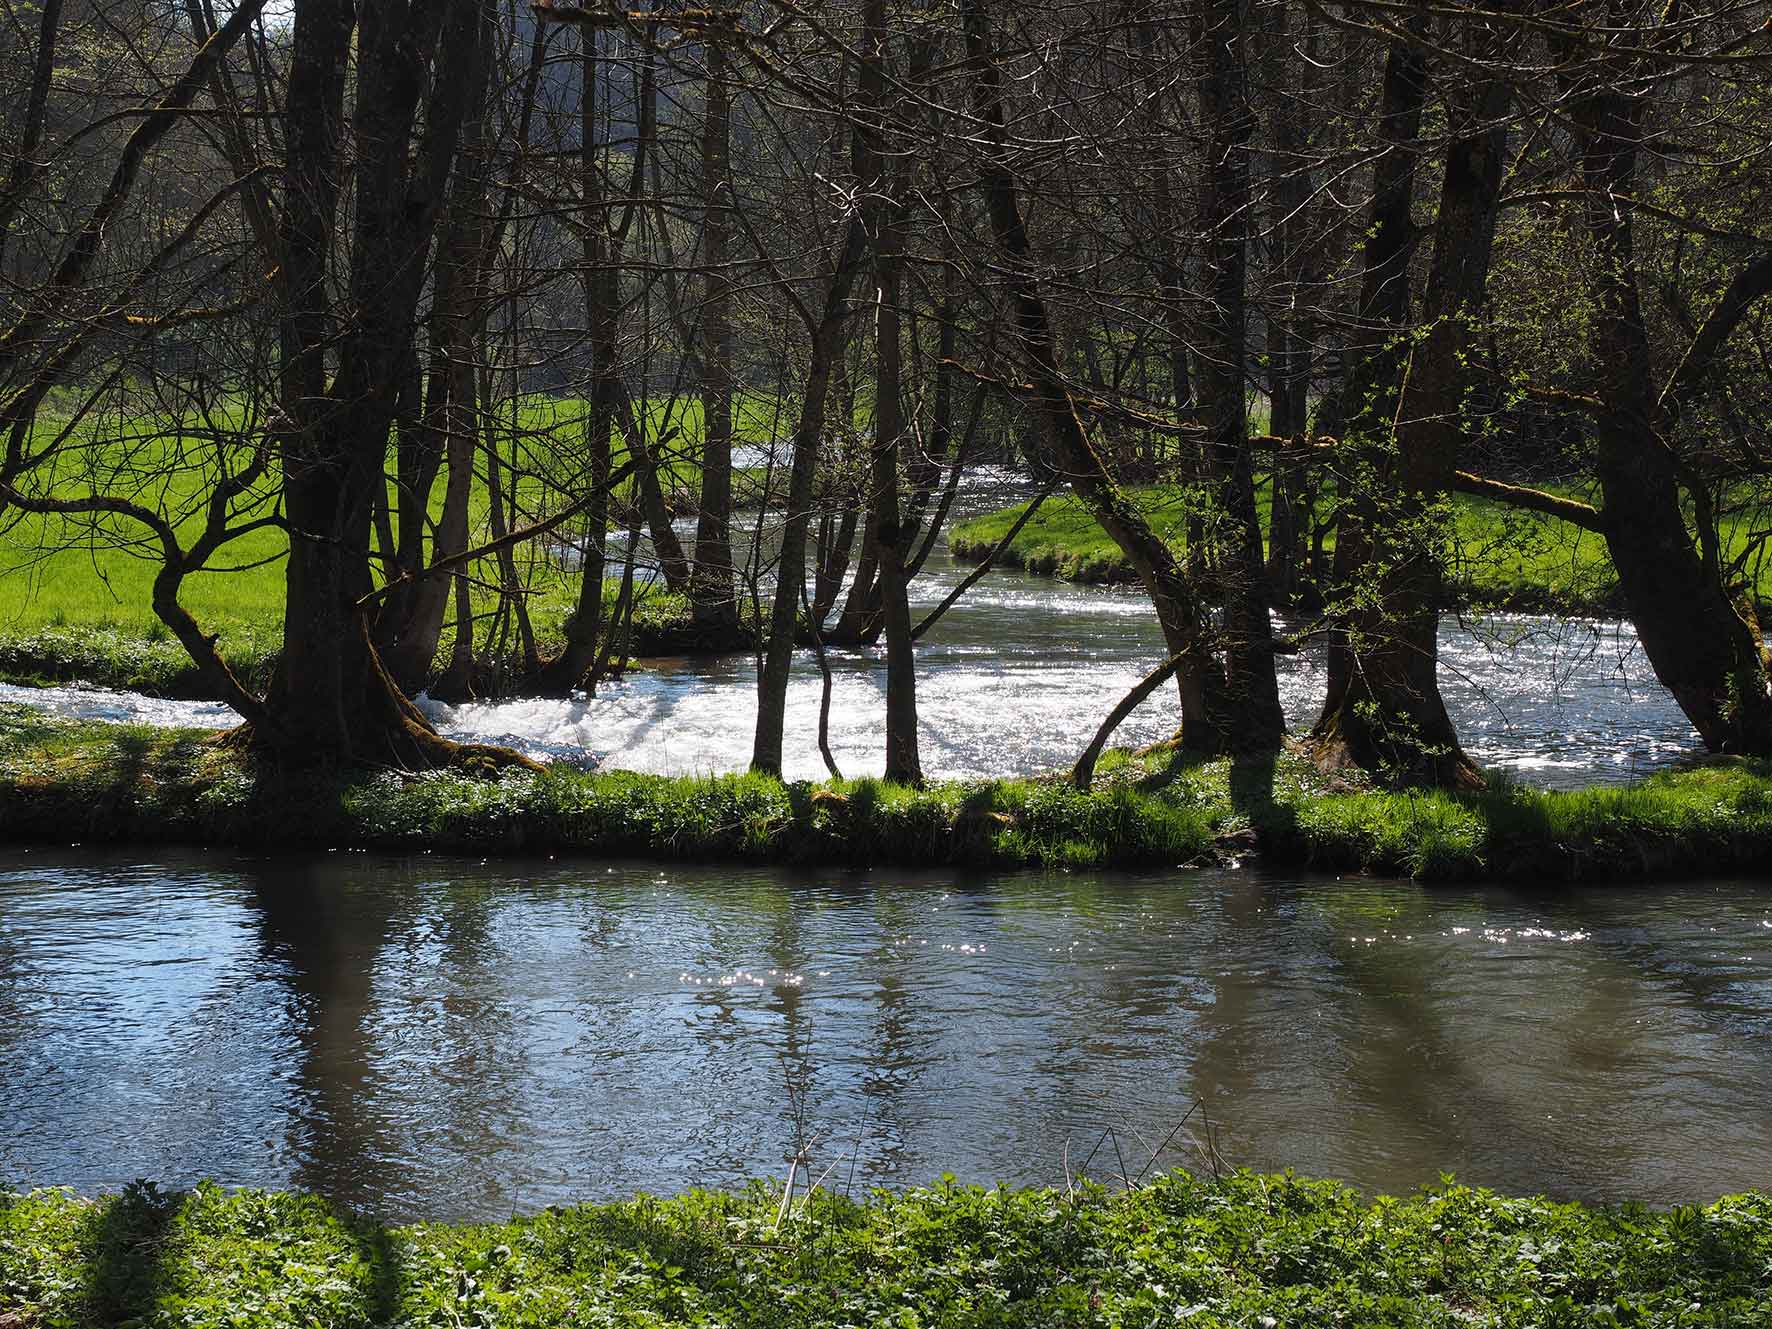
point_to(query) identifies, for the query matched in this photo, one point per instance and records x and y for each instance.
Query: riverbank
(1500, 558)
(144, 656)
(90, 782)
(1242, 1250)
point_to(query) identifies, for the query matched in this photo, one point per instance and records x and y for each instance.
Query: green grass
(63, 780)
(149, 660)
(144, 657)
(57, 574)
(1274, 1252)
(1063, 540)
(1500, 556)
(76, 590)
(1709, 819)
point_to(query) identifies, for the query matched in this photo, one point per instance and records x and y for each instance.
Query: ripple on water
(445, 1038)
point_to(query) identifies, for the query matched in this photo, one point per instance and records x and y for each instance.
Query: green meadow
(1495, 555)
(76, 593)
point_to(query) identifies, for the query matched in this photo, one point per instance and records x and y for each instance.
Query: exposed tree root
(1339, 745)
(386, 731)
(414, 747)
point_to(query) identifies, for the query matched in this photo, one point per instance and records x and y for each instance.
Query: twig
(1173, 1132)
(1114, 1135)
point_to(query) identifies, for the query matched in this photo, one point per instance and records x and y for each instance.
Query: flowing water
(442, 1038)
(1015, 678)
(457, 1039)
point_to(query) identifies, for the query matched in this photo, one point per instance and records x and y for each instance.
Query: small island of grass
(91, 782)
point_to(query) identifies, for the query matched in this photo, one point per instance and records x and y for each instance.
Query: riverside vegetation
(1243, 1250)
(62, 780)
(76, 597)
(83, 615)
(1497, 556)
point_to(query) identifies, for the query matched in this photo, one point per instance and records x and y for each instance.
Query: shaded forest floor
(63, 781)
(1241, 1250)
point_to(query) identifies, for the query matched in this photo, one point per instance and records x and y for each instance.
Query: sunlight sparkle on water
(1064, 1009)
(1002, 684)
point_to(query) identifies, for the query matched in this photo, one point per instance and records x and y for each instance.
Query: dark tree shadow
(376, 1250)
(1179, 764)
(1252, 776)
(1252, 795)
(127, 1243)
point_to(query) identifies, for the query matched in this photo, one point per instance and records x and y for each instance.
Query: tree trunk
(832, 560)
(1252, 694)
(1179, 612)
(510, 585)
(1370, 367)
(412, 623)
(584, 627)
(925, 467)
(418, 456)
(456, 684)
(859, 624)
(827, 345)
(904, 764)
(712, 597)
(331, 699)
(1704, 647)
(1391, 716)
(25, 163)
(1286, 505)
(1290, 332)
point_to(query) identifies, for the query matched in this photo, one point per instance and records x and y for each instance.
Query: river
(1014, 679)
(454, 1039)
(427, 1037)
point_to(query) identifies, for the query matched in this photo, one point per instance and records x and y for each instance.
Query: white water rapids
(1015, 678)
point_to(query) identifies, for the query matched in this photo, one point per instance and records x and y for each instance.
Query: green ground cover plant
(1267, 1252)
(64, 780)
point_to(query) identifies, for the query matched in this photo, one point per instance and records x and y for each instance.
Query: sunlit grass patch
(1498, 556)
(77, 591)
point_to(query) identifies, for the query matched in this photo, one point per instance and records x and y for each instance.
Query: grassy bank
(1500, 557)
(1247, 1250)
(89, 619)
(76, 593)
(64, 781)
(145, 657)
